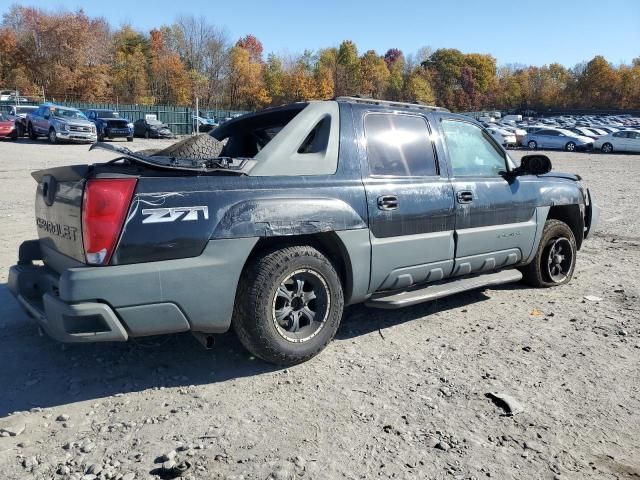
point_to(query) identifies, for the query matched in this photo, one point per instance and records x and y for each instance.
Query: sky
(516, 31)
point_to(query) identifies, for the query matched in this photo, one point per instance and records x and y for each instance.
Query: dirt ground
(398, 394)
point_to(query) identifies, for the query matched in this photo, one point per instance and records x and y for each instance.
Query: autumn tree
(252, 45)
(595, 83)
(130, 79)
(374, 75)
(246, 81)
(394, 59)
(347, 69)
(169, 80)
(326, 73)
(274, 79)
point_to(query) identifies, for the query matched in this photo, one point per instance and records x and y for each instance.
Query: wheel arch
(346, 250)
(572, 216)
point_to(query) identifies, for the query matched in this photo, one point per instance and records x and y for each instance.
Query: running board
(433, 292)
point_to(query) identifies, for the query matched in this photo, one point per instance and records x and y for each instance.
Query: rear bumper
(100, 304)
(36, 290)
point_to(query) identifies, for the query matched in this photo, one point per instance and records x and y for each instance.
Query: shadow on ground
(39, 372)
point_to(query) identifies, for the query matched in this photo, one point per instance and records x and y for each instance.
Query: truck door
(409, 201)
(495, 219)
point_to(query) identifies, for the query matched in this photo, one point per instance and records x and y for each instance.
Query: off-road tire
(253, 317)
(32, 134)
(199, 147)
(536, 274)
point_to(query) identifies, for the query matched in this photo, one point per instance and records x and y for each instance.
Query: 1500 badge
(183, 214)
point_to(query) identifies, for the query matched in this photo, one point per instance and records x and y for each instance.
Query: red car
(8, 127)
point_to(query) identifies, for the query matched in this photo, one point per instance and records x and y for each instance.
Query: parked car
(503, 137)
(585, 132)
(5, 95)
(204, 124)
(7, 127)
(60, 123)
(274, 230)
(109, 124)
(557, 138)
(622, 141)
(151, 128)
(19, 113)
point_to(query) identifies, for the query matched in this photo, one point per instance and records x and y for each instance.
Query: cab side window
(399, 145)
(472, 151)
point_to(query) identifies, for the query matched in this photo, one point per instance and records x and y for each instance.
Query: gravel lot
(397, 395)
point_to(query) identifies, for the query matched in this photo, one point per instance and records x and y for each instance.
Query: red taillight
(104, 207)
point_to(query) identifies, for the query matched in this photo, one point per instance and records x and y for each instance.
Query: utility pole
(197, 119)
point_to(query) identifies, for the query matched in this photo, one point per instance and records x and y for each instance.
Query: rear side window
(399, 145)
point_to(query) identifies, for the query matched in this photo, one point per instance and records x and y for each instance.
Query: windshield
(108, 114)
(20, 110)
(68, 114)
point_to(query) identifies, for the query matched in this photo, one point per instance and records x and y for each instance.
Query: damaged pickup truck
(276, 220)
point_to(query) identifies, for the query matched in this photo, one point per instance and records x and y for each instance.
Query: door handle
(388, 202)
(464, 196)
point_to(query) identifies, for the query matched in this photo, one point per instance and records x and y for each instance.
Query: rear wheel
(532, 145)
(555, 259)
(607, 148)
(289, 304)
(570, 147)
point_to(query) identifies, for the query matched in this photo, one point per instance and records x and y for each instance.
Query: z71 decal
(183, 214)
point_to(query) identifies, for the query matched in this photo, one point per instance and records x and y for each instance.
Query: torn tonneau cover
(240, 166)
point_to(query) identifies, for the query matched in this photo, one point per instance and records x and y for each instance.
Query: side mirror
(535, 164)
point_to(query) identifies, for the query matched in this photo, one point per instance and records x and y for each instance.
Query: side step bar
(433, 292)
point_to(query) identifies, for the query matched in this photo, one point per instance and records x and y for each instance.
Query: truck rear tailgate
(58, 206)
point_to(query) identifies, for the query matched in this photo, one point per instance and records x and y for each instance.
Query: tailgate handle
(49, 189)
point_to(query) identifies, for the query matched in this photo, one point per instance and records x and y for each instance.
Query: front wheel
(288, 305)
(555, 259)
(20, 130)
(532, 145)
(32, 134)
(570, 147)
(129, 139)
(52, 136)
(607, 148)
